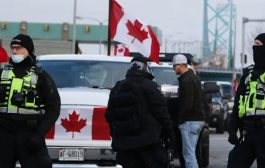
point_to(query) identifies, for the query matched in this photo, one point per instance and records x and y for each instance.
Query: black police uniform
(143, 148)
(22, 135)
(251, 143)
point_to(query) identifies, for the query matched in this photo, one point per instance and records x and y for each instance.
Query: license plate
(71, 154)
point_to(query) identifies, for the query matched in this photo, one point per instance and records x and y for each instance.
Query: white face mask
(17, 58)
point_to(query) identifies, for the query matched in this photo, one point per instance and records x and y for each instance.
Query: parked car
(227, 93)
(222, 101)
(166, 78)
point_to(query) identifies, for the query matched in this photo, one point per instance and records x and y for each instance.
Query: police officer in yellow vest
(248, 117)
(29, 107)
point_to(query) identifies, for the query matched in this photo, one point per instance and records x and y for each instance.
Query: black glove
(232, 138)
(169, 137)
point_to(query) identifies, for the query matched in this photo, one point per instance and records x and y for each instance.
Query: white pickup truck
(166, 78)
(80, 137)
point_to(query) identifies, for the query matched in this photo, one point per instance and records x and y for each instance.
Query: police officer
(249, 113)
(138, 144)
(29, 107)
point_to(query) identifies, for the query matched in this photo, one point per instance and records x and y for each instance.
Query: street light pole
(74, 28)
(244, 21)
(100, 31)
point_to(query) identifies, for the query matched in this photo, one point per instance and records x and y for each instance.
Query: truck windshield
(227, 90)
(165, 75)
(216, 95)
(80, 73)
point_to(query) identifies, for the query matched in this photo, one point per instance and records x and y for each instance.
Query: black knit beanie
(261, 37)
(140, 59)
(24, 41)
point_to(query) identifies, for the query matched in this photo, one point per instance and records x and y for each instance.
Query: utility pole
(74, 28)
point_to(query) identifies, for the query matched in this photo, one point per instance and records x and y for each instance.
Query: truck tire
(220, 128)
(202, 148)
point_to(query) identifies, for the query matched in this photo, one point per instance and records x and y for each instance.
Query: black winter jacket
(155, 113)
(190, 98)
(48, 94)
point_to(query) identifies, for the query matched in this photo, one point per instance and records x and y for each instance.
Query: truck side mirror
(210, 87)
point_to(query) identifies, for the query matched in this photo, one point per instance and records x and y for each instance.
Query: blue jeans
(190, 131)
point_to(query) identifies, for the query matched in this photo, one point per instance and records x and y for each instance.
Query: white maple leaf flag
(130, 31)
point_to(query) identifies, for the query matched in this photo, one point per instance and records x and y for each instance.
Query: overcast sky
(180, 18)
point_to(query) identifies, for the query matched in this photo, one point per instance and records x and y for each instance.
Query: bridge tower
(219, 25)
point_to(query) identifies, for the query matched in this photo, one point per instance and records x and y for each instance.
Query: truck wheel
(202, 148)
(220, 125)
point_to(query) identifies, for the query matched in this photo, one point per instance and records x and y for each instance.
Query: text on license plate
(71, 154)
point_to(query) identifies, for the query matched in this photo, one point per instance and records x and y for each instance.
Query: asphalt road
(219, 150)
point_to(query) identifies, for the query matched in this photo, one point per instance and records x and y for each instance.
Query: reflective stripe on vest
(253, 102)
(19, 111)
(20, 85)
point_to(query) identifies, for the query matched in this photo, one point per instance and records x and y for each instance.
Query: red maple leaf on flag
(135, 30)
(73, 124)
(120, 50)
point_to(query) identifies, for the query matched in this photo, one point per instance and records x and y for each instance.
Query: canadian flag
(121, 50)
(80, 124)
(130, 31)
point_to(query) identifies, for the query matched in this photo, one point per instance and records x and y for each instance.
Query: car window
(80, 73)
(165, 75)
(227, 90)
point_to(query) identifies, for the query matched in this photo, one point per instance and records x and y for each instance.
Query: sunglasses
(17, 47)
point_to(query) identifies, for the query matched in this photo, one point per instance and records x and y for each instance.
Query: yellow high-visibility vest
(25, 86)
(253, 101)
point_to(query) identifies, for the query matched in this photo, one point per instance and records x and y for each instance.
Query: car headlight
(230, 105)
(216, 107)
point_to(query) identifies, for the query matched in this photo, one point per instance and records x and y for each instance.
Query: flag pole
(109, 39)
(74, 29)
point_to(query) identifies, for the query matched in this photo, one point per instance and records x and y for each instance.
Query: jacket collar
(182, 76)
(139, 73)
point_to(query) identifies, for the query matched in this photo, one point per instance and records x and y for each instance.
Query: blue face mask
(17, 58)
